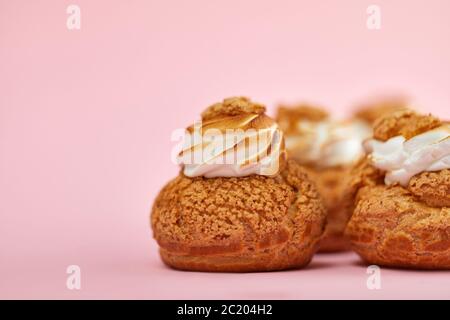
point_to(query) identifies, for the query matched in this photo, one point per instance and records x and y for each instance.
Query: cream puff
(238, 205)
(401, 194)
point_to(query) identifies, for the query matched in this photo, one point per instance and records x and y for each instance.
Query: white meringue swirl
(402, 159)
(233, 146)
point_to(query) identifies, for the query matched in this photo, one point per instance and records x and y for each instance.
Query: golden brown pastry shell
(252, 223)
(400, 226)
(392, 227)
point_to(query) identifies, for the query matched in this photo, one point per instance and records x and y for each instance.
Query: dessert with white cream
(237, 205)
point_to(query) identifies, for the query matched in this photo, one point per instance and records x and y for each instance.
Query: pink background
(86, 118)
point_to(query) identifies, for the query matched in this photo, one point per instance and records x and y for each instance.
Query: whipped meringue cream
(233, 146)
(328, 143)
(402, 159)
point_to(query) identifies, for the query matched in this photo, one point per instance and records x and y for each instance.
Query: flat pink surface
(114, 274)
(86, 118)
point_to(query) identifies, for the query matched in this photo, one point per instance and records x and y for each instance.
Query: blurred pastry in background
(328, 148)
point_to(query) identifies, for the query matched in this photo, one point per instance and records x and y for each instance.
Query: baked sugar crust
(253, 223)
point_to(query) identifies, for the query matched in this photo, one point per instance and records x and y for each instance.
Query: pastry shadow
(318, 265)
(364, 264)
(314, 265)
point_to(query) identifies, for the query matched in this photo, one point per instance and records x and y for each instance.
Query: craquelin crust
(433, 188)
(232, 107)
(397, 226)
(253, 223)
(405, 123)
(390, 227)
(363, 174)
